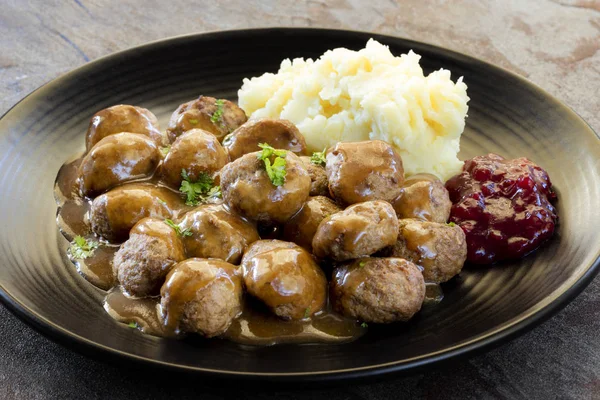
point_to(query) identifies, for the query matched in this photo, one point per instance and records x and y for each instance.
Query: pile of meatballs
(349, 228)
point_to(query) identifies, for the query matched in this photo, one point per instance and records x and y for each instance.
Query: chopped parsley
(318, 157)
(217, 116)
(364, 325)
(177, 228)
(165, 150)
(81, 248)
(452, 224)
(132, 325)
(307, 312)
(161, 201)
(201, 190)
(362, 264)
(276, 169)
(193, 121)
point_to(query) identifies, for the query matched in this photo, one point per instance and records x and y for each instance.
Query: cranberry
(503, 206)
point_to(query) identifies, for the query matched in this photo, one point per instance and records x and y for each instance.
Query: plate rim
(486, 341)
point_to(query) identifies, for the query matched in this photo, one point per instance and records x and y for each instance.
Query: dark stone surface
(553, 43)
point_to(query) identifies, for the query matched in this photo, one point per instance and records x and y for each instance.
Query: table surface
(555, 44)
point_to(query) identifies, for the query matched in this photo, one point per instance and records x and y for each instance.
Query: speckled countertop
(555, 44)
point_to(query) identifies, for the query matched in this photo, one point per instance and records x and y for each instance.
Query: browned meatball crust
(440, 249)
(379, 290)
(143, 261)
(319, 185)
(424, 197)
(285, 277)
(202, 296)
(248, 191)
(114, 213)
(115, 160)
(217, 233)
(362, 171)
(359, 230)
(196, 151)
(301, 228)
(122, 118)
(279, 133)
(217, 116)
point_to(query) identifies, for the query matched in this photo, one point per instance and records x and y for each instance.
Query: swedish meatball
(279, 133)
(319, 185)
(441, 249)
(217, 233)
(218, 117)
(360, 230)
(202, 296)
(196, 151)
(114, 213)
(248, 191)
(362, 171)
(116, 159)
(122, 118)
(379, 290)
(424, 197)
(285, 277)
(143, 261)
(301, 228)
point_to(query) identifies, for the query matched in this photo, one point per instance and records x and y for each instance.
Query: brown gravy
(255, 325)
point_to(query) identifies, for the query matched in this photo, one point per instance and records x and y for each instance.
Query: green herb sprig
(165, 150)
(217, 116)
(81, 248)
(177, 228)
(276, 169)
(200, 191)
(318, 157)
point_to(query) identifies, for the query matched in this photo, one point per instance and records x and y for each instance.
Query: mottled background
(555, 44)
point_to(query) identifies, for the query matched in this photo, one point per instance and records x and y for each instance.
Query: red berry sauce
(503, 206)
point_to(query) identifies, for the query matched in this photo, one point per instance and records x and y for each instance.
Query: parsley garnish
(362, 264)
(177, 228)
(217, 116)
(275, 170)
(165, 150)
(318, 157)
(193, 121)
(364, 325)
(132, 325)
(307, 312)
(161, 201)
(200, 191)
(452, 224)
(81, 249)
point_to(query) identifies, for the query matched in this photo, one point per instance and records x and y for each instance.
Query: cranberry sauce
(503, 206)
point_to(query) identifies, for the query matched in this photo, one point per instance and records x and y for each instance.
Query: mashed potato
(368, 94)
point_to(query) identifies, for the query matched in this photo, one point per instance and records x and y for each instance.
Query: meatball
(248, 191)
(218, 117)
(143, 261)
(361, 171)
(279, 133)
(117, 159)
(285, 277)
(122, 118)
(424, 197)
(319, 185)
(301, 228)
(359, 230)
(440, 249)
(379, 290)
(217, 233)
(201, 296)
(196, 151)
(114, 213)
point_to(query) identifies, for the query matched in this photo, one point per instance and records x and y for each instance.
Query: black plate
(482, 307)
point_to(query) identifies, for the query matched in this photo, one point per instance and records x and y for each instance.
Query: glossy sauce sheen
(254, 326)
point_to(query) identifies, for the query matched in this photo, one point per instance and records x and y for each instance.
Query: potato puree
(350, 95)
